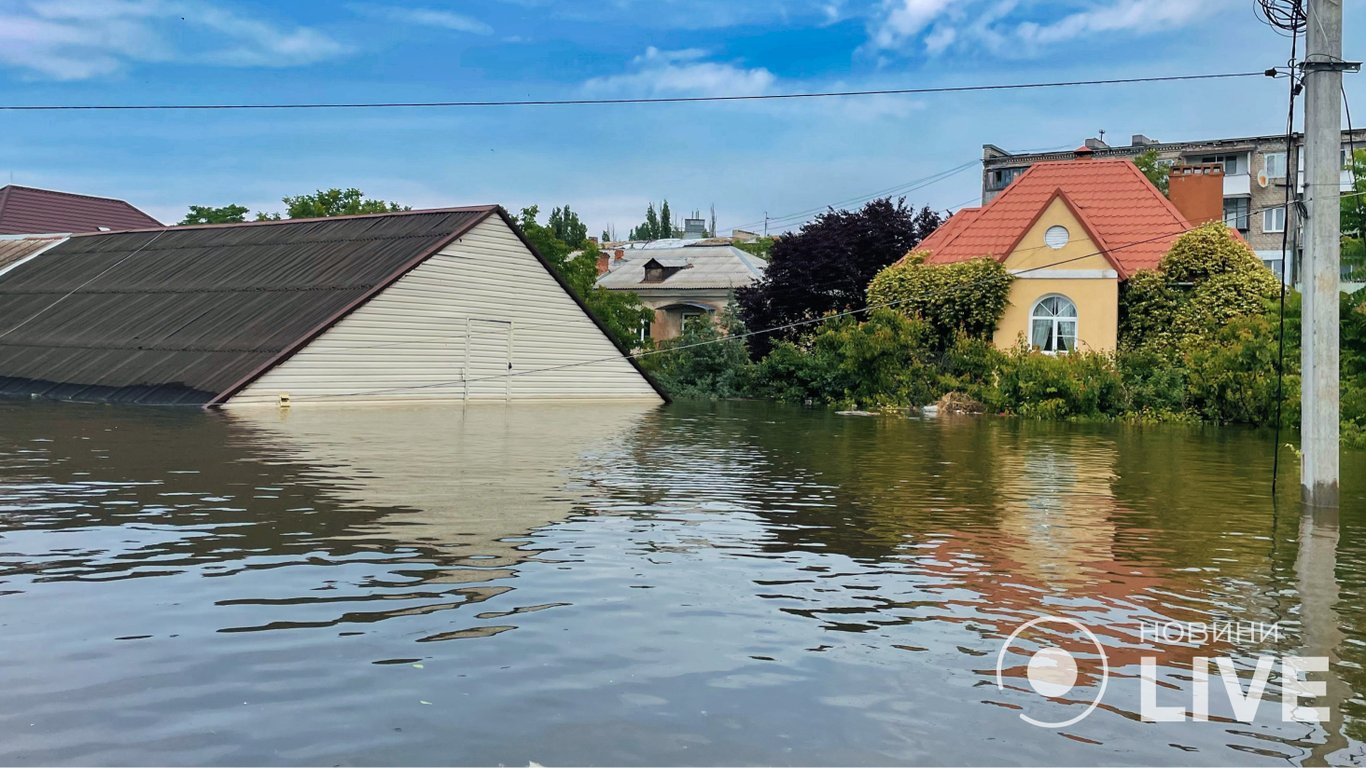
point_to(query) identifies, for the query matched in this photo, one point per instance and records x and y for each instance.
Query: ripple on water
(717, 583)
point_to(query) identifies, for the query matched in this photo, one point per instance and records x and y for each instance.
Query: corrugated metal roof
(13, 250)
(718, 266)
(183, 315)
(1133, 223)
(28, 210)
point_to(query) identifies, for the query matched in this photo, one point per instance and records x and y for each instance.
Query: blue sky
(606, 162)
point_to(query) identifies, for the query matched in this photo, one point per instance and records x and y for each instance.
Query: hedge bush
(1207, 279)
(966, 297)
(886, 361)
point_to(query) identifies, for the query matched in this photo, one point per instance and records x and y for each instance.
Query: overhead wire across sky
(1100, 251)
(638, 100)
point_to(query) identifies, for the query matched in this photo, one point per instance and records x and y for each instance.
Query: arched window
(1053, 324)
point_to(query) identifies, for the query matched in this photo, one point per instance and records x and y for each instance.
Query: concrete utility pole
(1323, 67)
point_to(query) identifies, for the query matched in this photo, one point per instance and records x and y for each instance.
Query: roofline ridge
(8, 187)
(265, 222)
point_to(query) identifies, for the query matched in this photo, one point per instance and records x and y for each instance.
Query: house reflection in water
(469, 483)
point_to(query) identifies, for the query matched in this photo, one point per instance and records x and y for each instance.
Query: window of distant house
(1056, 237)
(1053, 325)
(1236, 212)
(1001, 177)
(687, 317)
(1275, 165)
(1233, 164)
(645, 329)
(1273, 220)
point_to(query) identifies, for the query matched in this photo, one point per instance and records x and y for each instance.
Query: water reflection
(696, 584)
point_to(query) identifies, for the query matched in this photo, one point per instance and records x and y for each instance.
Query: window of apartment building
(1273, 220)
(1236, 212)
(1000, 178)
(1275, 165)
(1233, 163)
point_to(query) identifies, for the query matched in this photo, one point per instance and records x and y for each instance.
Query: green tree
(707, 360)
(1354, 219)
(657, 225)
(968, 297)
(887, 360)
(207, 214)
(1207, 279)
(334, 202)
(650, 229)
(621, 313)
(1156, 170)
(759, 247)
(566, 226)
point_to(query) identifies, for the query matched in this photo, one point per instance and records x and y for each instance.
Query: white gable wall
(447, 331)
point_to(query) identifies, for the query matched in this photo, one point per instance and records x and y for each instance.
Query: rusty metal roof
(189, 315)
(14, 249)
(28, 210)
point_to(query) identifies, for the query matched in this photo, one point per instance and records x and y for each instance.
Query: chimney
(1197, 191)
(619, 254)
(604, 262)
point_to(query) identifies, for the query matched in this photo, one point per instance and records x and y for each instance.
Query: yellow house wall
(1097, 310)
(1096, 297)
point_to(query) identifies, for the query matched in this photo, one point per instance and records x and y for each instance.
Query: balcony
(1237, 185)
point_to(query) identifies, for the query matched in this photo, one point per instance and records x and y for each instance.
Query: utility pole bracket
(1330, 66)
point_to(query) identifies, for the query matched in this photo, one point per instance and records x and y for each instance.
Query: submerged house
(439, 305)
(1070, 232)
(682, 281)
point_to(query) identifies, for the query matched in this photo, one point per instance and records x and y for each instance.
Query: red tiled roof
(1127, 218)
(27, 210)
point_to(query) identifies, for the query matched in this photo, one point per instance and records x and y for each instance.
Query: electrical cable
(92, 279)
(898, 189)
(1285, 242)
(734, 337)
(605, 102)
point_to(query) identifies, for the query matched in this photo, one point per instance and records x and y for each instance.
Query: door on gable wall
(488, 359)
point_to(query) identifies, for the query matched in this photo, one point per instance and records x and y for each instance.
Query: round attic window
(1055, 237)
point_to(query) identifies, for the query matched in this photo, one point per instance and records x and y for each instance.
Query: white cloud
(81, 39)
(903, 20)
(1010, 28)
(1124, 16)
(683, 72)
(426, 17)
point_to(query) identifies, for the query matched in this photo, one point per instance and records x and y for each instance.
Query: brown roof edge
(234, 224)
(320, 328)
(625, 353)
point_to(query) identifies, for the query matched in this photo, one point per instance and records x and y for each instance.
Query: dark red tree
(826, 266)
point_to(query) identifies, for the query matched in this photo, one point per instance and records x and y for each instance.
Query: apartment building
(1256, 169)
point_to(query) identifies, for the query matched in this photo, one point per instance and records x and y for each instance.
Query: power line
(1286, 15)
(909, 186)
(621, 101)
(738, 336)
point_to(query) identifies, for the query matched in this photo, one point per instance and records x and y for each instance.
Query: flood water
(730, 583)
